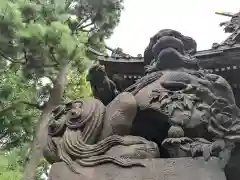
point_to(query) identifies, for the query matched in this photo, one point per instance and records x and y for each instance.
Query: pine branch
(52, 55)
(3, 135)
(17, 61)
(85, 26)
(7, 108)
(13, 106)
(81, 23)
(34, 105)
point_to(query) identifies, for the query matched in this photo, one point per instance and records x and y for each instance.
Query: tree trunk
(41, 134)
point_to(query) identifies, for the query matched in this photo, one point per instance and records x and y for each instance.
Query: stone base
(156, 169)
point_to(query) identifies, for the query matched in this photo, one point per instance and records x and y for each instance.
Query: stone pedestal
(156, 169)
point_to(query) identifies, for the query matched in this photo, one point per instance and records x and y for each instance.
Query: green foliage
(16, 116)
(33, 35)
(77, 86)
(49, 29)
(98, 18)
(37, 38)
(12, 162)
(10, 21)
(104, 14)
(43, 168)
(9, 170)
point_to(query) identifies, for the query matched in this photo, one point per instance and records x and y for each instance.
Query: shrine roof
(199, 54)
(121, 59)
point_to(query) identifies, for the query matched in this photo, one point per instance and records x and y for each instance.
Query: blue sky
(196, 18)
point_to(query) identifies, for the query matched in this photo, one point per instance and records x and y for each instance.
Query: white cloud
(196, 18)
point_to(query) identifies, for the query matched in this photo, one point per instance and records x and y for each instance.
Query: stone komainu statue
(103, 88)
(186, 44)
(175, 111)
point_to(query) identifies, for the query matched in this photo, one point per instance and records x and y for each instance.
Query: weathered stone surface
(176, 110)
(156, 169)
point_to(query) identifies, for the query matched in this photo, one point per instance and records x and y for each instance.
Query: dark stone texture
(186, 44)
(102, 87)
(173, 114)
(157, 169)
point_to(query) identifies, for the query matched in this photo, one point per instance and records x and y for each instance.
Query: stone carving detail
(175, 110)
(74, 136)
(103, 88)
(118, 53)
(172, 39)
(232, 25)
(169, 48)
